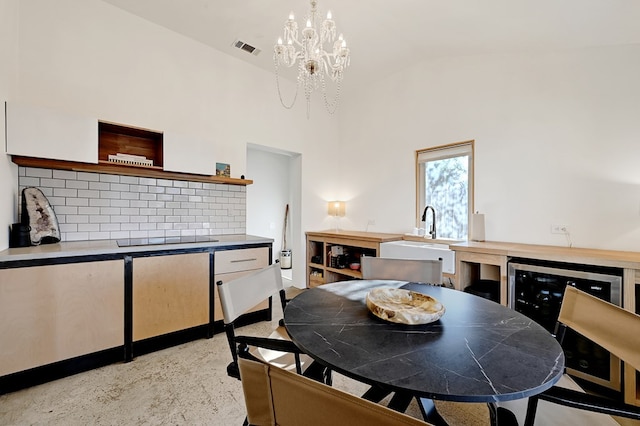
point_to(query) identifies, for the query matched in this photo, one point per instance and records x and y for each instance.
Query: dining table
(478, 351)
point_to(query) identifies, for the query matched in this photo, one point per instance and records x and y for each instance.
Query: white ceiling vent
(246, 47)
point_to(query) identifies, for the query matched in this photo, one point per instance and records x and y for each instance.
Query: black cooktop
(129, 242)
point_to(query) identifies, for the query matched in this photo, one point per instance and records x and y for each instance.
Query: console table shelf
(354, 244)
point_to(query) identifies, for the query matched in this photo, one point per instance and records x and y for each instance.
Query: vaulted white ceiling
(388, 35)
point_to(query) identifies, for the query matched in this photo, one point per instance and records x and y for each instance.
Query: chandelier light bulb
(279, 41)
(308, 23)
(291, 16)
(329, 14)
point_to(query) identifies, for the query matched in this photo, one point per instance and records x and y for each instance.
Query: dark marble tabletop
(479, 351)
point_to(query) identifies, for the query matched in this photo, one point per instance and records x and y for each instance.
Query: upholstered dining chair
(239, 296)
(615, 329)
(277, 397)
(414, 270)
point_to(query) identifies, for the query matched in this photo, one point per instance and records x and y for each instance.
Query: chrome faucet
(432, 230)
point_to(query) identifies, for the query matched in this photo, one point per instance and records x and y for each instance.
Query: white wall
(8, 63)
(92, 58)
(555, 133)
(556, 142)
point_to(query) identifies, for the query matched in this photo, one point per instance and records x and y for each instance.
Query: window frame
(455, 149)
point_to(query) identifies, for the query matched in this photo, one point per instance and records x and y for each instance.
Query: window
(445, 182)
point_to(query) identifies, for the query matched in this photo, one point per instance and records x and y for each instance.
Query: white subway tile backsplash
(29, 181)
(99, 186)
(120, 219)
(129, 195)
(99, 219)
(65, 174)
(148, 197)
(65, 192)
(70, 201)
(109, 194)
(52, 183)
(126, 226)
(76, 236)
(119, 187)
(99, 202)
(44, 173)
(134, 180)
(91, 177)
(109, 178)
(89, 210)
(77, 184)
(77, 218)
(119, 203)
(140, 203)
(118, 234)
(66, 227)
(110, 211)
(60, 210)
(92, 206)
(148, 181)
(98, 235)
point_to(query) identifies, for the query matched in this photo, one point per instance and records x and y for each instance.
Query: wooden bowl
(404, 306)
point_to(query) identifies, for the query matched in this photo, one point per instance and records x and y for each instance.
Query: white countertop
(101, 247)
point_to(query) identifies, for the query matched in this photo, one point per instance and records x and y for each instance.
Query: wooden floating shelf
(121, 169)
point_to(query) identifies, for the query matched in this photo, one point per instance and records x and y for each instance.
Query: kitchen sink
(420, 250)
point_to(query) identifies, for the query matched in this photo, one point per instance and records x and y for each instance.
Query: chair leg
(429, 412)
(328, 378)
(375, 394)
(532, 406)
(400, 401)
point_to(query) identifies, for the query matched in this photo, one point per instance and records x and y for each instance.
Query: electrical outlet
(559, 229)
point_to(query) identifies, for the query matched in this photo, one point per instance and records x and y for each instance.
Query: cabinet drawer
(240, 260)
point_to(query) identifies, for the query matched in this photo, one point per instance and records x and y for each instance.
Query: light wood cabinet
(170, 293)
(320, 267)
(232, 264)
(55, 312)
(45, 133)
(474, 259)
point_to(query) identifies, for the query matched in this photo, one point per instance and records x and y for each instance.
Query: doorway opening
(276, 176)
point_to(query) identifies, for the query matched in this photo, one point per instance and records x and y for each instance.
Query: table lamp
(337, 209)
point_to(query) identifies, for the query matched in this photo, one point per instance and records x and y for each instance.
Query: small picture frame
(223, 169)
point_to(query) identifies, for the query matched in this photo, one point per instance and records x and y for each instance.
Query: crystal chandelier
(318, 54)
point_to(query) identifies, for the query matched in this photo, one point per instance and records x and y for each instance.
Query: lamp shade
(337, 208)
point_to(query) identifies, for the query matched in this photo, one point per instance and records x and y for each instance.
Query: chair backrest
(275, 396)
(415, 270)
(239, 295)
(615, 329)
